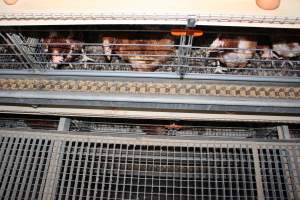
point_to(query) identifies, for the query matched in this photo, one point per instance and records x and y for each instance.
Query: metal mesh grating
(23, 167)
(48, 165)
(115, 171)
(276, 173)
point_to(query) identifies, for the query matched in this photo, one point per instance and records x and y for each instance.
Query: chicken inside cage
(144, 53)
(255, 52)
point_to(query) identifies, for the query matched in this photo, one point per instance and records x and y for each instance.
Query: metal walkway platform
(52, 165)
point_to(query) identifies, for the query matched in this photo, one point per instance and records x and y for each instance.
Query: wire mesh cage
(295, 133)
(181, 129)
(28, 123)
(155, 51)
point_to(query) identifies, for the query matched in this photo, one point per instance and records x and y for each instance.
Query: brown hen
(144, 54)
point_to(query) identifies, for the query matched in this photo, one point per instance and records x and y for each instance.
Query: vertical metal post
(283, 132)
(184, 50)
(50, 185)
(64, 124)
(258, 176)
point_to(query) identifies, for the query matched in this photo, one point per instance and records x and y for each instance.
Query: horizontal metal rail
(159, 75)
(179, 103)
(176, 99)
(148, 18)
(145, 114)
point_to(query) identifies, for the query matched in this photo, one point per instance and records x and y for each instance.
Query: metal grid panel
(120, 171)
(279, 172)
(97, 167)
(24, 164)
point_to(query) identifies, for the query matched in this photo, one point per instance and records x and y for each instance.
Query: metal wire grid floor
(40, 165)
(126, 128)
(23, 123)
(180, 130)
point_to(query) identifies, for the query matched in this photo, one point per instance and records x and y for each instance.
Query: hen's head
(217, 43)
(61, 49)
(107, 47)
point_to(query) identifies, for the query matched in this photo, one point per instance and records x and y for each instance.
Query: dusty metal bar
(222, 17)
(123, 101)
(165, 75)
(258, 175)
(84, 171)
(196, 100)
(98, 180)
(118, 173)
(280, 133)
(286, 132)
(124, 176)
(130, 114)
(51, 179)
(110, 172)
(64, 124)
(49, 148)
(104, 171)
(283, 132)
(77, 166)
(90, 178)
(291, 171)
(185, 46)
(64, 160)
(132, 171)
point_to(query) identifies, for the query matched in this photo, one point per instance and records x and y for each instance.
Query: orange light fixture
(187, 32)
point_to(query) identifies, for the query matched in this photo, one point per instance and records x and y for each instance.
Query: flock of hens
(146, 53)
